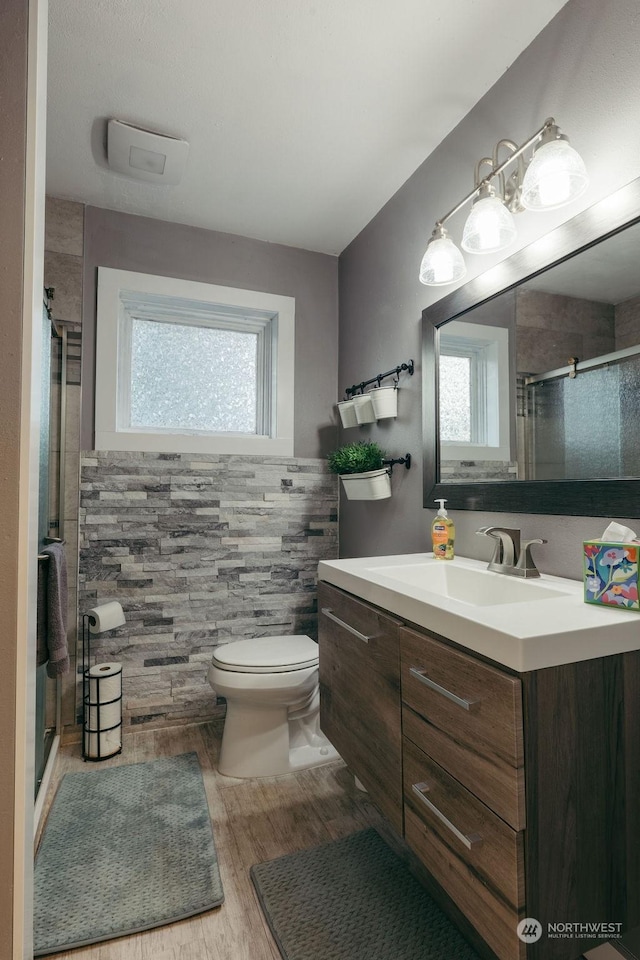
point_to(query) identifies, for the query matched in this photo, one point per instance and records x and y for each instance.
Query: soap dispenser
(443, 533)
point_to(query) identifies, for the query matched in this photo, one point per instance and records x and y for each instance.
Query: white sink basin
(523, 624)
(479, 588)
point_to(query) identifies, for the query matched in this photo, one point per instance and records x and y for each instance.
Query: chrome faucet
(510, 556)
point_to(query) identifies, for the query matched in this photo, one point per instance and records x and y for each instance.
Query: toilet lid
(267, 654)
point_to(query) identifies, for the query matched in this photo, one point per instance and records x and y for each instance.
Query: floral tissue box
(611, 573)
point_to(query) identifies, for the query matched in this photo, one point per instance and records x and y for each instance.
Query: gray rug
(124, 849)
(353, 899)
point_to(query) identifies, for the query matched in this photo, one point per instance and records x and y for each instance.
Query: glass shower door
(46, 688)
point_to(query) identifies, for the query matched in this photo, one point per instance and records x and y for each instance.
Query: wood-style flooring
(252, 821)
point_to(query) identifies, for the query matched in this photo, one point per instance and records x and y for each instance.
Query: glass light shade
(555, 176)
(442, 263)
(489, 227)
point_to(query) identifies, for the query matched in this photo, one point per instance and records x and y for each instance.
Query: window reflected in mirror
(475, 407)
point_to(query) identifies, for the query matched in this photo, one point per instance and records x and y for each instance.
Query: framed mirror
(531, 375)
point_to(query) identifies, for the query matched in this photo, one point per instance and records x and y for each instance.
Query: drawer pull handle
(470, 705)
(471, 841)
(327, 612)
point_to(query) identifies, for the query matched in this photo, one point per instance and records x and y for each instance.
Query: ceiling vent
(143, 155)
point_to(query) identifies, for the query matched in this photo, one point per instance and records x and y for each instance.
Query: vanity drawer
(476, 857)
(360, 710)
(357, 615)
(468, 717)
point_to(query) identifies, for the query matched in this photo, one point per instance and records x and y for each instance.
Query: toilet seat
(267, 654)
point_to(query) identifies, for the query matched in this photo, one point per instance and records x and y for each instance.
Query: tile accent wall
(461, 471)
(199, 551)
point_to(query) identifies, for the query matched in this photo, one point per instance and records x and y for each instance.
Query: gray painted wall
(127, 242)
(584, 70)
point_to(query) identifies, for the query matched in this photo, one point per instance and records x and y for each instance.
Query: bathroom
(358, 310)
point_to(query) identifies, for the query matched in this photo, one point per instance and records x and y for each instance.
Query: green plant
(359, 457)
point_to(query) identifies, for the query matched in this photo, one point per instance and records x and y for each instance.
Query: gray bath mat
(353, 899)
(124, 849)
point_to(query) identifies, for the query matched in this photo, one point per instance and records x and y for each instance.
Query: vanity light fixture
(554, 175)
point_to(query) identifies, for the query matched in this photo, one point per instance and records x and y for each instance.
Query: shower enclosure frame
(59, 333)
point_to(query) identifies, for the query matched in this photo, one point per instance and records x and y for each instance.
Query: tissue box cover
(611, 574)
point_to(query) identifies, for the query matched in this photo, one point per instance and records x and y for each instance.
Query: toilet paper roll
(103, 717)
(109, 743)
(105, 682)
(105, 617)
(103, 711)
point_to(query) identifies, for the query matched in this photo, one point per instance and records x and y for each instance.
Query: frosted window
(186, 377)
(455, 401)
(191, 367)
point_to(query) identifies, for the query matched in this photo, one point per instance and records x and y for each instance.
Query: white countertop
(523, 635)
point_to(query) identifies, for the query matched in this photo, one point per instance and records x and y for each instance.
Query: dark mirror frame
(596, 498)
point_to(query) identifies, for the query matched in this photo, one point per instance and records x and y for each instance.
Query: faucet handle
(526, 562)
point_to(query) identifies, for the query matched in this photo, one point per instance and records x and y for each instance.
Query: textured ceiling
(304, 116)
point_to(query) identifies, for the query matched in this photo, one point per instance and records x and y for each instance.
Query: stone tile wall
(461, 471)
(199, 551)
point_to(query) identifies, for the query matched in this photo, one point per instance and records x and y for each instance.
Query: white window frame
(488, 349)
(123, 295)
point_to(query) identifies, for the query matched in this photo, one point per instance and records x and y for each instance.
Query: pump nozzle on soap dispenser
(443, 533)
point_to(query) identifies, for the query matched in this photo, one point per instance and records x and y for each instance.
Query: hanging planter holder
(385, 402)
(379, 403)
(373, 485)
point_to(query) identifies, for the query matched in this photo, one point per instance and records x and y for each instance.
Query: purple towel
(52, 611)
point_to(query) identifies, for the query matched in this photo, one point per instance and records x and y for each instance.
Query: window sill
(188, 443)
(474, 451)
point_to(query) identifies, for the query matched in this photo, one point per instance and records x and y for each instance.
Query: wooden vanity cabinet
(464, 783)
(467, 715)
(521, 791)
(474, 855)
(360, 694)
(582, 770)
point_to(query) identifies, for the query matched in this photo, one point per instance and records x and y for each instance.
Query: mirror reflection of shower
(583, 421)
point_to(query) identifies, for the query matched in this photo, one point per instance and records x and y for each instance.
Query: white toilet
(273, 706)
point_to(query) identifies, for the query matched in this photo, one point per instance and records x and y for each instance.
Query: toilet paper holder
(99, 737)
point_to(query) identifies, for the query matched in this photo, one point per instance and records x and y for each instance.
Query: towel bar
(45, 556)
